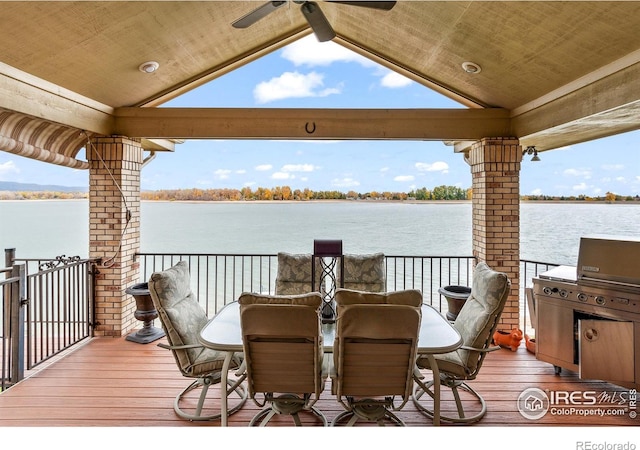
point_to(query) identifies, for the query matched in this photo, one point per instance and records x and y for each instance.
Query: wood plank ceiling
(553, 73)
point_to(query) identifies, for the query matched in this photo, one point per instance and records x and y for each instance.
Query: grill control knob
(547, 291)
(600, 300)
(563, 293)
(582, 297)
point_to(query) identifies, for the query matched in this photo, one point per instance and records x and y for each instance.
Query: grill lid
(609, 261)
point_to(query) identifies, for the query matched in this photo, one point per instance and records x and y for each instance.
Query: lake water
(550, 232)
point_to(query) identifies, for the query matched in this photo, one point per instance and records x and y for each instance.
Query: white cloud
(293, 84)
(241, 171)
(536, 191)
(8, 167)
(578, 173)
(580, 187)
(308, 51)
(264, 167)
(438, 166)
(404, 178)
(222, 174)
(394, 80)
(298, 168)
(282, 176)
(249, 184)
(613, 167)
(384, 169)
(344, 182)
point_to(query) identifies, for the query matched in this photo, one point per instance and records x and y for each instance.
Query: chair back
(294, 274)
(478, 318)
(375, 343)
(180, 314)
(364, 272)
(282, 340)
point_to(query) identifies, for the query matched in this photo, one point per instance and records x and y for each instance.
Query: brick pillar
(495, 171)
(114, 229)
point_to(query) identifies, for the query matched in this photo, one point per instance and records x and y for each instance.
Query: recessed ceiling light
(148, 67)
(471, 67)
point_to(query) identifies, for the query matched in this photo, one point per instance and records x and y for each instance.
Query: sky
(309, 74)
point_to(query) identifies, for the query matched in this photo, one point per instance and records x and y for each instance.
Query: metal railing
(60, 308)
(47, 307)
(12, 296)
(219, 279)
(51, 309)
(528, 271)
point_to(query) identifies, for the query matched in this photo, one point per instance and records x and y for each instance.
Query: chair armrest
(178, 347)
(481, 350)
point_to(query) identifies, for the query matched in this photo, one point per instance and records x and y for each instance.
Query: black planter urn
(456, 297)
(146, 312)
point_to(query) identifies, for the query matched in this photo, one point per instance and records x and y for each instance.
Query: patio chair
(476, 323)
(182, 318)
(283, 348)
(374, 354)
(364, 272)
(294, 274)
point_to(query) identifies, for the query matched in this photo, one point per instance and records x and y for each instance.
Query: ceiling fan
(312, 12)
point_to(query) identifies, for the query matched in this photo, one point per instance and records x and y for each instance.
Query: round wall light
(471, 67)
(148, 67)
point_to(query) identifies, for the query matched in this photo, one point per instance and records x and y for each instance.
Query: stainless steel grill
(588, 317)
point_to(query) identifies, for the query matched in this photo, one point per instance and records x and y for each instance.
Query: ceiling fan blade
(318, 21)
(257, 14)
(385, 6)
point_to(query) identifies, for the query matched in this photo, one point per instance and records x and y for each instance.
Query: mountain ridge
(14, 186)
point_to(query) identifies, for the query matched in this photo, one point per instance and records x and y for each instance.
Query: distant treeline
(609, 197)
(41, 195)
(286, 193)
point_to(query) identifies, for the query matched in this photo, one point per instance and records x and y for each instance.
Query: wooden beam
(312, 124)
(603, 108)
(35, 97)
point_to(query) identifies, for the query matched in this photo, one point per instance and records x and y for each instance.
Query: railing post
(92, 273)
(332, 249)
(9, 256)
(18, 297)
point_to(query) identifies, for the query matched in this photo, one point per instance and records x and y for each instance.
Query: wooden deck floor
(111, 382)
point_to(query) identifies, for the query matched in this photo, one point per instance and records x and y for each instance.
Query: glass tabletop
(223, 332)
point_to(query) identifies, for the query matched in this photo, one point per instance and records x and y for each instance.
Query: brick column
(114, 229)
(495, 171)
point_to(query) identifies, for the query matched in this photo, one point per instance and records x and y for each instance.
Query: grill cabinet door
(554, 333)
(606, 350)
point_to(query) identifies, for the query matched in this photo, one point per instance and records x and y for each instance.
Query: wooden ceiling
(555, 73)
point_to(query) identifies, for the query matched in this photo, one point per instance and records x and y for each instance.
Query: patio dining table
(223, 333)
